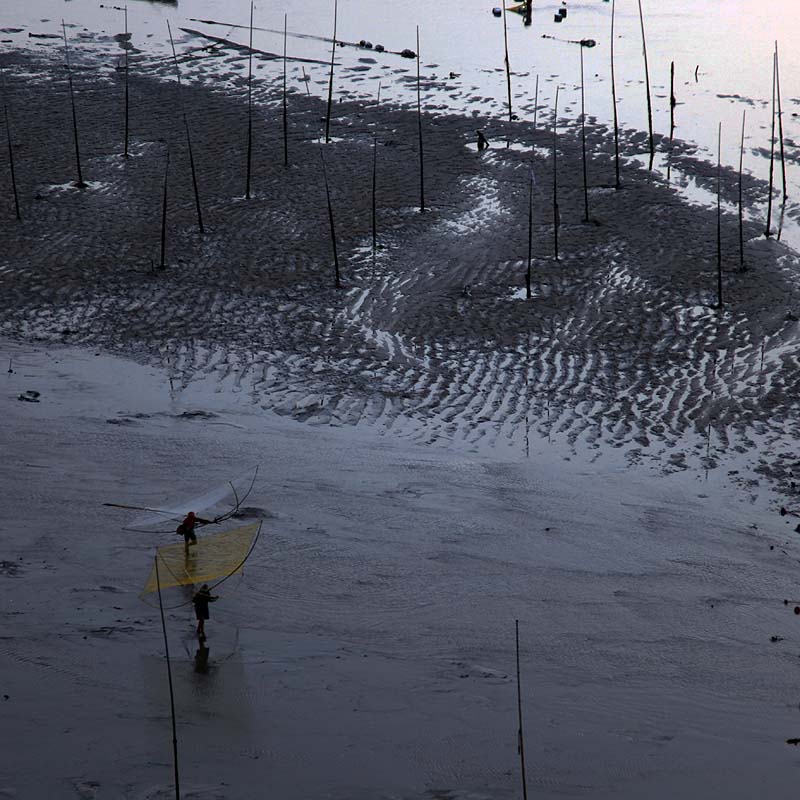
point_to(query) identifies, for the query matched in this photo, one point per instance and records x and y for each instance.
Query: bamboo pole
(330, 220)
(127, 126)
(188, 135)
(520, 737)
(768, 232)
(419, 127)
(80, 184)
(171, 690)
(330, 79)
(536, 103)
(10, 151)
(647, 83)
(556, 214)
(583, 147)
(719, 218)
(780, 120)
(163, 263)
(614, 99)
(285, 111)
(530, 237)
(672, 104)
(741, 197)
(507, 62)
(375, 186)
(249, 108)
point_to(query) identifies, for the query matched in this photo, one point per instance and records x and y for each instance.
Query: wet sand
(620, 346)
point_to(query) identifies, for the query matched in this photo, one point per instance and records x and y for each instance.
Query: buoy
(498, 12)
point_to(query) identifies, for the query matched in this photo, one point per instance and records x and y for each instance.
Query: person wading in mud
(201, 600)
(186, 529)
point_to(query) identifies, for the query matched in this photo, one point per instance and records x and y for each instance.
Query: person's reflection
(201, 658)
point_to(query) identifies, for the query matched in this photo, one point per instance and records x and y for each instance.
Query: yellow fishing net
(212, 557)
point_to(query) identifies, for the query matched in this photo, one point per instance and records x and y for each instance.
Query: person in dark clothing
(483, 142)
(201, 600)
(186, 529)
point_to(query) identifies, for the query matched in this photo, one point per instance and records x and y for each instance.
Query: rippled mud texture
(619, 347)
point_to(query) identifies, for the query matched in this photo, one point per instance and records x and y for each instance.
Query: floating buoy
(498, 12)
(557, 18)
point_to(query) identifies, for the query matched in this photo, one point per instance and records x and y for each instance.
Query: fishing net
(213, 557)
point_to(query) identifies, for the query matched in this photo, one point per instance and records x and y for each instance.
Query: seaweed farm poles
(249, 108)
(330, 220)
(741, 198)
(530, 238)
(614, 99)
(330, 79)
(127, 128)
(80, 184)
(647, 86)
(768, 232)
(780, 120)
(583, 147)
(10, 152)
(719, 218)
(285, 112)
(507, 62)
(375, 186)
(419, 128)
(520, 738)
(672, 104)
(188, 136)
(163, 262)
(171, 690)
(556, 214)
(536, 102)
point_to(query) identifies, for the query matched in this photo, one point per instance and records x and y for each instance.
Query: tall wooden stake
(530, 238)
(719, 218)
(520, 737)
(583, 147)
(330, 79)
(614, 99)
(780, 120)
(419, 127)
(80, 184)
(741, 198)
(285, 111)
(249, 108)
(375, 186)
(507, 62)
(647, 83)
(127, 43)
(556, 214)
(672, 104)
(330, 220)
(10, 151)
(188, 135)
(171, 690)
(768, 232)
(163, 262)
(536, 103)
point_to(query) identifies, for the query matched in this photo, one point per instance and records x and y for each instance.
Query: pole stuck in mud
(556, 213)
(188, 134)
(614, 100)
(10, 150)
(530, 237)
(741, 197)
(672, 104)
(249, 108)
(506, 61)
(80, 184)
(330, 78)
(520, 737)
(163, 262)
(375, 185)
(719, 218)
(767, 231)
(127, 125)
(419, 129)
(647, 86)
(535, 103)
(330, 220)
(285, 109)
(583, 147)
(171, 690)
(780, 120)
